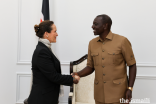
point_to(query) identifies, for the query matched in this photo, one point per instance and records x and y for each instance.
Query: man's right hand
(84, 72)
(74, 73)
(76, 79)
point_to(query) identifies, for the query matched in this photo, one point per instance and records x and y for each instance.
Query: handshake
(76, 78)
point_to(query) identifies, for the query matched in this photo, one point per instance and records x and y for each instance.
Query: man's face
(98, 26)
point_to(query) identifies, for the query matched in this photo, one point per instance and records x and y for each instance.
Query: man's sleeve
(128, 52)
(90, 59)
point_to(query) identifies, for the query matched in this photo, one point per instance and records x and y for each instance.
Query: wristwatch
(130, 88)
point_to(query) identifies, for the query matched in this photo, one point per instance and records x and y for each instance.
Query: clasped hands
(76, 78)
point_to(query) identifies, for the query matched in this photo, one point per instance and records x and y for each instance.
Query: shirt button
(102, 58)
(103, 74)
(103, 43)
(103, 66)
(104, 82)
(103, 50)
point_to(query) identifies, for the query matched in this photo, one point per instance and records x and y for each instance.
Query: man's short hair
(106, 19)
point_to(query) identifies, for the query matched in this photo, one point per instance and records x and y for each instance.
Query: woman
(46, 69)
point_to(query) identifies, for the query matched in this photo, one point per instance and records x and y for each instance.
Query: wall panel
(132, 19)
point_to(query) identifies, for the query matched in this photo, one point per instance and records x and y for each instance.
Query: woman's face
(53, 34)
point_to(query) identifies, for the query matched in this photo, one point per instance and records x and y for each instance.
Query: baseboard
(63, 102)
(19, 103)
(59, 103)
(67, 103)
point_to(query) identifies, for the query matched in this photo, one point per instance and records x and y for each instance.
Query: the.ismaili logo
(145, 100)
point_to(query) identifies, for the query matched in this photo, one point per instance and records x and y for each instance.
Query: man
(108, 55)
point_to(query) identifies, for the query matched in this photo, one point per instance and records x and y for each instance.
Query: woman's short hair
(43, 27)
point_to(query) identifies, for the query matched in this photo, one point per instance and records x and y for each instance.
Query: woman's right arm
(46, 66)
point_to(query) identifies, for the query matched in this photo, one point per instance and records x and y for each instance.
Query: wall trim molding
(67, 103)
(147, 77)
(28, 74)
(28, 62)
(63, 102)
(19, 33)
(19, 61)
(59, 102)
(18, 75)
(146, 64)
(139, 64)
(22, 62)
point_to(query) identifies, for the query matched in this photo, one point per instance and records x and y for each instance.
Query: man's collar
(109, 36)
(99, 39)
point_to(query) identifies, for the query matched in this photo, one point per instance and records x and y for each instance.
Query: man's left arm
(130, 60)
(132, 76)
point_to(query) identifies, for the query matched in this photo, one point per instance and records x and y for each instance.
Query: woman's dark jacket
(47, 77)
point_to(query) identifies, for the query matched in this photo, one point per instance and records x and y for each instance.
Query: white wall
(134, 19)
(8, 50)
